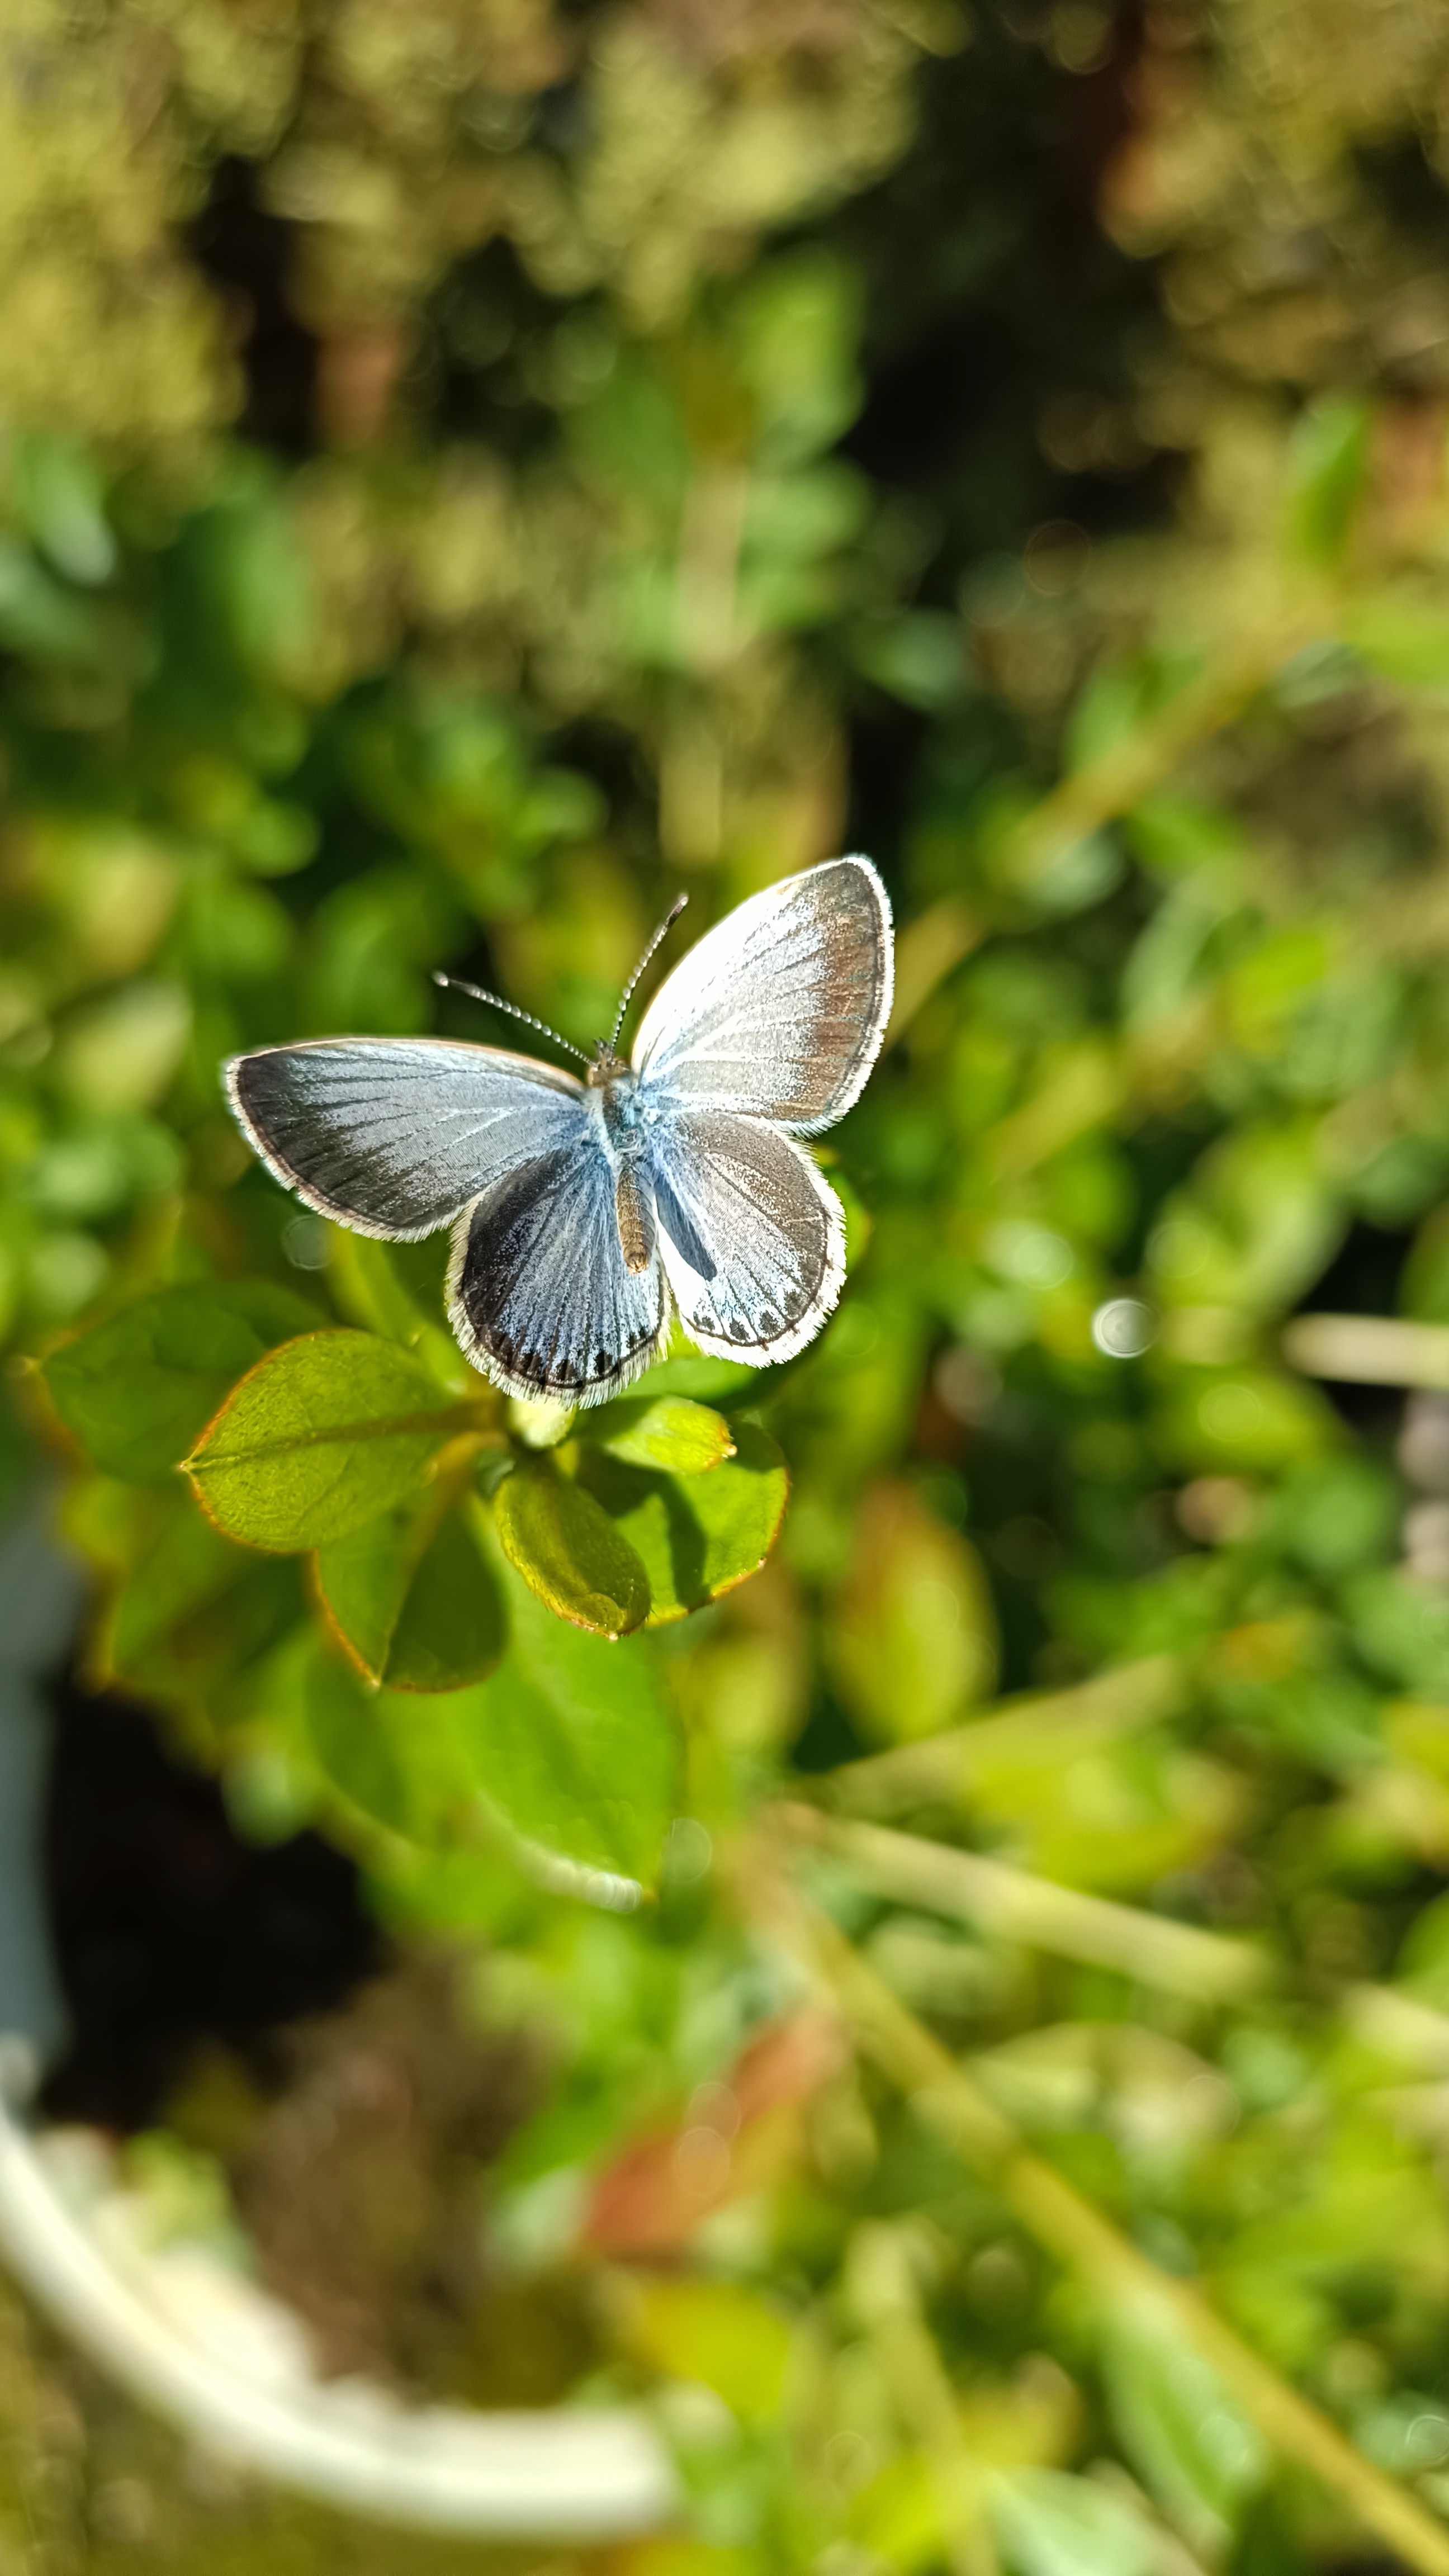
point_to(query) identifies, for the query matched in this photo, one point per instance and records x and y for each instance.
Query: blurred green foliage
(464, 470)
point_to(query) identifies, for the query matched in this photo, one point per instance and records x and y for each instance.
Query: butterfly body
(585, 1212)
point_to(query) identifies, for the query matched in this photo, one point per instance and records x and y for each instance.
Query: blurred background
(469, 470)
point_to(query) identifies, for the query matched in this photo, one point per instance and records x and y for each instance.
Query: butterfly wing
(539, 1291)
(751, 1238)
(392, 1136)
(778, 1012)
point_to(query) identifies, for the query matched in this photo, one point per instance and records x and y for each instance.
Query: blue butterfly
(584, 1211)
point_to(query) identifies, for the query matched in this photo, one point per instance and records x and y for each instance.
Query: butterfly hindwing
(392, 1136)
(540, 1292)
(752, 1239)
(580, 1212)
(780, 1010)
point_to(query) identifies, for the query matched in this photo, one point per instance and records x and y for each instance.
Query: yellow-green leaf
(669, 1432)
(568, 1551)
(699, 1536)
(318, 1439)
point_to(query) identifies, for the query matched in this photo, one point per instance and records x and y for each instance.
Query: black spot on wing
(541, 1291)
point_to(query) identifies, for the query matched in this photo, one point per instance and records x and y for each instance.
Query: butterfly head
(606, 1066)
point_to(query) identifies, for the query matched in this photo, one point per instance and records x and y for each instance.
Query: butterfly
(585, 1212)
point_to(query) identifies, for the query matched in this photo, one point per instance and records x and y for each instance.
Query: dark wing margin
(779, 1012)
(393, 1136)
(539, 1292)
(751, 1237)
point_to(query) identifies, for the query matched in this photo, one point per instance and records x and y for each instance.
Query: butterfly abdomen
(635, 1220)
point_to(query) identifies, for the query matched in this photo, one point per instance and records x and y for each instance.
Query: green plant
(1080, 1748)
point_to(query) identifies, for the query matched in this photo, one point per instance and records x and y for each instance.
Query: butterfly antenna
(476, 993)
(666, 925)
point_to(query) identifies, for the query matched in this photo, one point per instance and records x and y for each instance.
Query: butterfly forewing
(751, 1237)
(392, 1136)
(779, 1012)
(577, 1211)
(540, 1293)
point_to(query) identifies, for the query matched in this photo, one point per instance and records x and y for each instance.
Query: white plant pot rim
(188, 2335)
(559, 2473)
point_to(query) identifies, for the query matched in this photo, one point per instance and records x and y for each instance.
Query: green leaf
(318, 1439)
(396, 1289)
(572, 1743)
(137, 1389)
(192, 1609)
(710, 1381)
(700, 1536)
(568, 1550)
(412, 1598)
(400, 1767)
(669, 1432)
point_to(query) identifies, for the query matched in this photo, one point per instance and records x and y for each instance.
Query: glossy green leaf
(572, 1742)
(137, 1389)
(668, 1432)
(413, 1599)
(570, 1553)
(696, 1536)
(318, 1439)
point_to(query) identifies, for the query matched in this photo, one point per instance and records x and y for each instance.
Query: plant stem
(1015, 1906)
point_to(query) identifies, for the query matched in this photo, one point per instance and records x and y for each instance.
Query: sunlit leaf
(570, 1553)
(318, 1439)
(136, 1389)
(696, 1536)
(669, 1432)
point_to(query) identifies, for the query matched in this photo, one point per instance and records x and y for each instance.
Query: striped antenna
(666, 925)
(476, 993)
